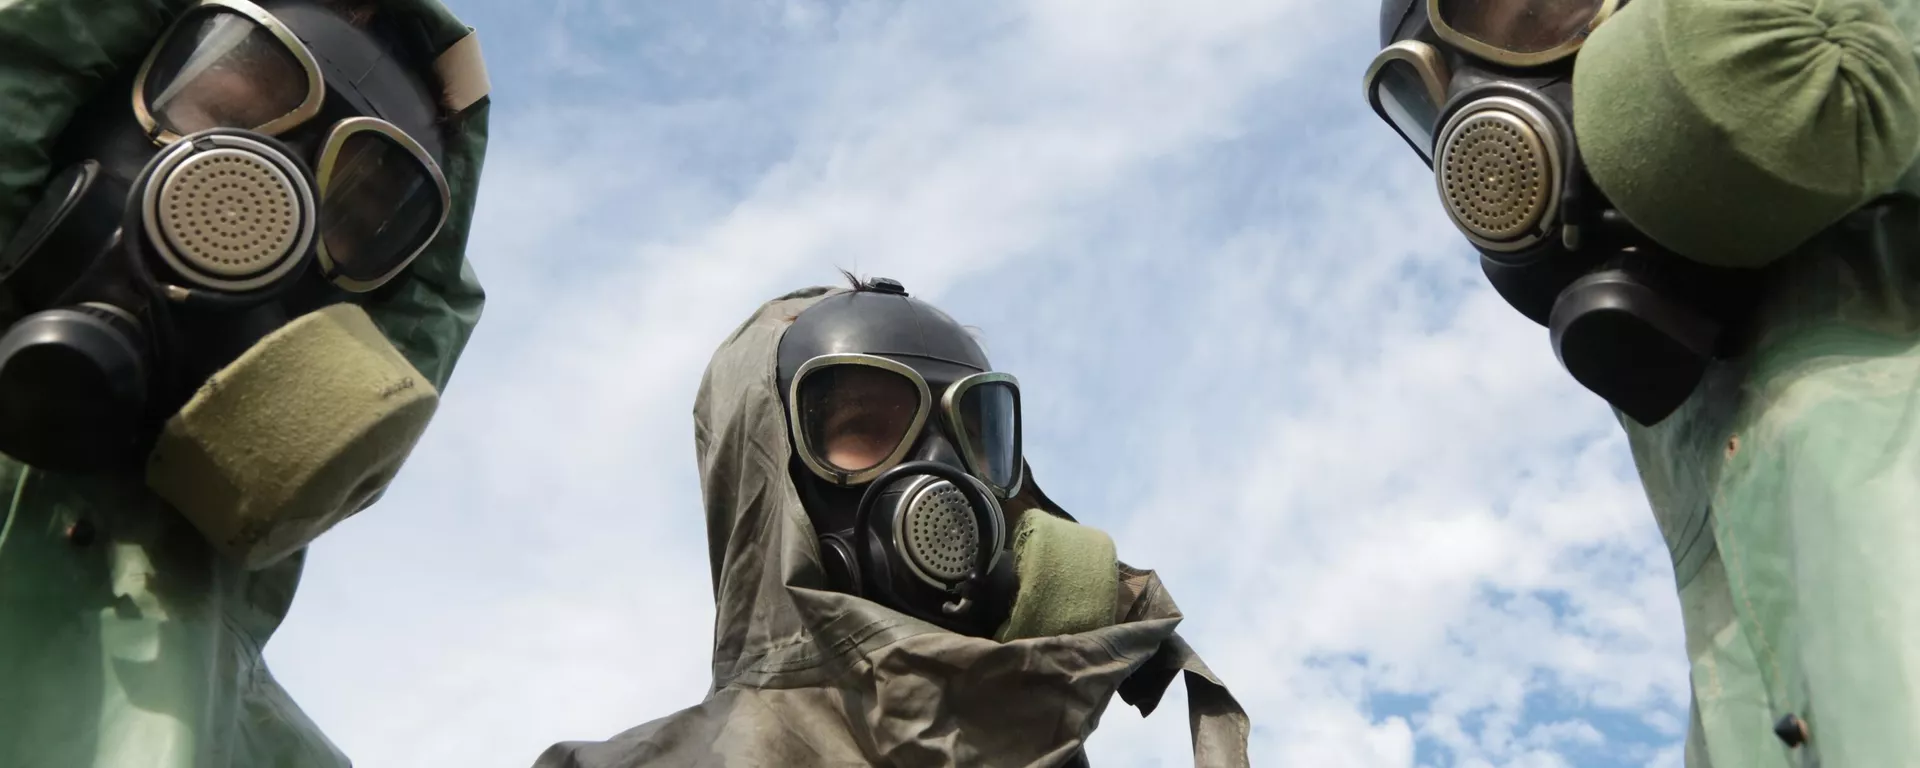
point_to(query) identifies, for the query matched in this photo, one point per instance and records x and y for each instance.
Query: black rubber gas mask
(265, 160)
(906, 444)
(1482, 90)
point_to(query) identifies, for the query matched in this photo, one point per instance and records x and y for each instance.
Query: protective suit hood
(125, 637)
(806, 676)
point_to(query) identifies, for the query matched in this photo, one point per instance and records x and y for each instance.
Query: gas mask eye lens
(1403, 100)
(226, 64)
(382, 200)
(986, 416)
(856, 417)
(1406, 85)
(220, 69)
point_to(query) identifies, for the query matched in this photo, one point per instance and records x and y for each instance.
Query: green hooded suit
(1780, 135)
(125, 639)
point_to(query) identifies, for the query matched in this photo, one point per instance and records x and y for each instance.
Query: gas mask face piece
(274, 158)
(906, 445)
(1482, 90)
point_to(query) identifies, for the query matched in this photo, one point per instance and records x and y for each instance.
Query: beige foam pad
(303, 430)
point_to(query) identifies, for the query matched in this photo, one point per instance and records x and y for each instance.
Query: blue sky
(1250, 347)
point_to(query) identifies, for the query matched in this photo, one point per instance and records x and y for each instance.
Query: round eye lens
(856, 416)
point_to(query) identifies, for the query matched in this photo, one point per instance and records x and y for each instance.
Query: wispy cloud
(1249, 346)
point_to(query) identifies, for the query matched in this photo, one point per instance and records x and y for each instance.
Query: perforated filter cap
(229, 213)
(1495, 175)
(940, 534)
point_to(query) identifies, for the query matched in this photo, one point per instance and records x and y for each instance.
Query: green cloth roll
(1069, 578)
(1732, 131)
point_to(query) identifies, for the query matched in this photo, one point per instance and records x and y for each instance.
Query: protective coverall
(125, 639)
(806, 676)
(1788, 486)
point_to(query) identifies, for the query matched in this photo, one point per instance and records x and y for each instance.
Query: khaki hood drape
(805, 676)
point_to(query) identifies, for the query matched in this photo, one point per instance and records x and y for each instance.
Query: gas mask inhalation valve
(1482, 91)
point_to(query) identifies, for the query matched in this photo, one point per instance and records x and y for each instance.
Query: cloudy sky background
(1251, 348)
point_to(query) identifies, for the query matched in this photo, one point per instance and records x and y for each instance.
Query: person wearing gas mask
(232, 285)
(892, 587)
(1713, 207)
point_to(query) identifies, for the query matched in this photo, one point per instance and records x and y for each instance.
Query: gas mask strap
(463, 74)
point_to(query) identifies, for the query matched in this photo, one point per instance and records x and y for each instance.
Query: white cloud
(1251, 350)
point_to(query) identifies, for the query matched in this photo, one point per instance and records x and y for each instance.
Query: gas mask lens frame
(1407, 86)
(983, 412)
(383, 200)
(226, 64)
(1518, 33)
(855, 416)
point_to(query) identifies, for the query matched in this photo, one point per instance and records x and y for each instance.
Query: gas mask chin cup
(305, 429)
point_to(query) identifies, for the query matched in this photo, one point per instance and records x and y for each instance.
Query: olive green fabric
(803, 676)
(1731, 131)
(1785, 488)
(260, 473)
(125, 638)
(1068, 578)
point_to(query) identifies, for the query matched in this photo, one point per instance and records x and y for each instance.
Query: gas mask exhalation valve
(228, 212)
(934, 522)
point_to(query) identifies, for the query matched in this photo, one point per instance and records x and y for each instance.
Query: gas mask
(906, 446)
(1482, 90)
(276, 164)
